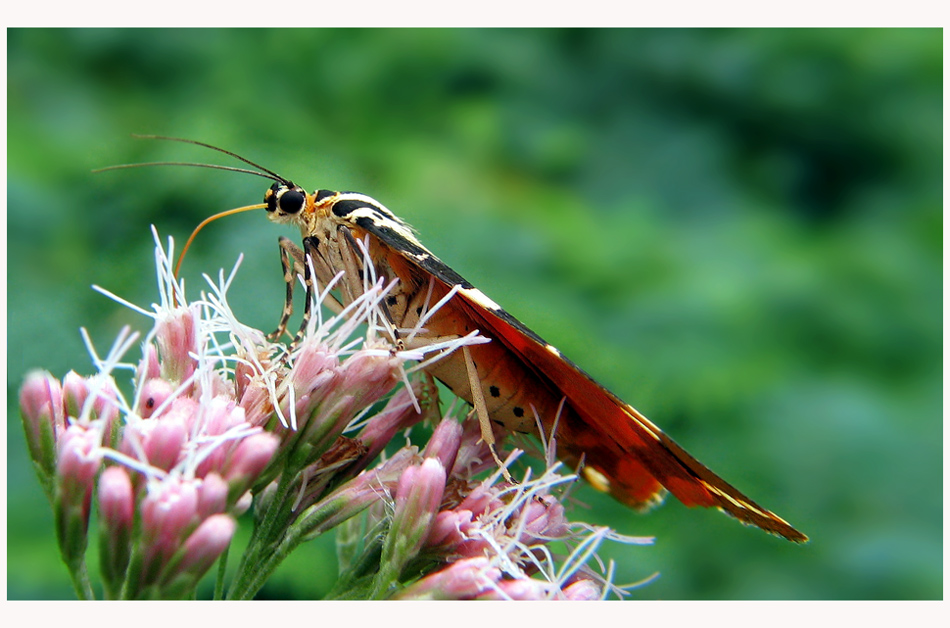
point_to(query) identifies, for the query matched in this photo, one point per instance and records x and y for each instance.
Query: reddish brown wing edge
(679, 472)
(600, 410)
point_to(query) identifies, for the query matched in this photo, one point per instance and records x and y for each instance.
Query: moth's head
(285, 202)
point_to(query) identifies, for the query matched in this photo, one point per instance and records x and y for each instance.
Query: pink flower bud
(583, 589)
(218, 417)
(520, 589)
(169, 511)
(77, 463)
(418, 497)
(149, 364)
(354, 496)
(41, 410)
(445, 441)
(206, 543)
(212, 495)
(481, 499)
(75, 392)
(544, 520)
(175, 334)
(153, 394)
(449, 528)
(256, 401)
(420, 490)
(398, 415)
(461, 580)
(370, 377)
(164, 442)
(116, 507)
(315, 375)
(105, 405)
(312, 361)
(250, 458)
(221, 415)
(243, 504)
(116, 502)
(184, 410)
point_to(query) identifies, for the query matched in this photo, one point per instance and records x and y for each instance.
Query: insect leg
(310, 253)
(481, 410)
(290, 257)
(292, 261)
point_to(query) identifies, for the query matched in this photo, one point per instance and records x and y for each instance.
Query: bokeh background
(738, 231)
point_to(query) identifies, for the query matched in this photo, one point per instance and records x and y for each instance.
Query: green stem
(248, 586)
(222, 569)
(80, 577)
(263, 538)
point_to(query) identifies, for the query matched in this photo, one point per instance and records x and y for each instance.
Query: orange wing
(633, 454)
(623, 451)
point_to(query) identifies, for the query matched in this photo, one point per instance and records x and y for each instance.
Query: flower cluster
(222, 418)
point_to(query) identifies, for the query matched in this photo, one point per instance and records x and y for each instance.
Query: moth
(512, 379)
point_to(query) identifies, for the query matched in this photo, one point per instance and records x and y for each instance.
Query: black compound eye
(270, 197)
(291, 201)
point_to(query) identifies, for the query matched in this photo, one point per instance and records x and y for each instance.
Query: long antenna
(196, 165)
(272, 174)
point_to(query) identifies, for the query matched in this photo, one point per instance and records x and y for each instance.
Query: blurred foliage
(738, 231)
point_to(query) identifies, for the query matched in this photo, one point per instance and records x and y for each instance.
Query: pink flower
(418, 496)
(250, 457)
(445, 442)
(543, 520)
(41, 409)
(582, 589)
(206, 543)
(462, 580)
(149, 364)
(164, 442)
(169, 512)
(77, 464)
(212, 495)
(175, 334)
(456, 532)
(369, 376)
(399, 414)
(257, 403)
(197, 445)
(153, 394)
(116, 508)
(116, 502)
(75, 392)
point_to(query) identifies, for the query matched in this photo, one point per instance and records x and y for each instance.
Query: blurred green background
(738, 231)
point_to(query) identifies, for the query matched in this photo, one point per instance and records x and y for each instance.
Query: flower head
(221, 417)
